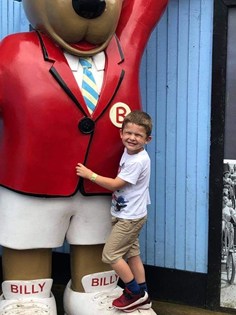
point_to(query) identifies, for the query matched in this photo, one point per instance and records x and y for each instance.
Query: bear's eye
(89, 9)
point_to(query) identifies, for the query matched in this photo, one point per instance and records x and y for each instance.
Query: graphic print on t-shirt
(118, 202)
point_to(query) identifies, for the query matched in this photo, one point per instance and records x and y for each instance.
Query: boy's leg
(123, 242)
(137, 268)
(123, 270)
(133, 296)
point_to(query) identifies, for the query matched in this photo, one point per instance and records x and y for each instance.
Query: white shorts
(35, 222)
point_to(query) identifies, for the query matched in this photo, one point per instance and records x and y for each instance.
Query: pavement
(163, 308)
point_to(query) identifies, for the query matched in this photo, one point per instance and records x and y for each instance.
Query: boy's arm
(105, 182)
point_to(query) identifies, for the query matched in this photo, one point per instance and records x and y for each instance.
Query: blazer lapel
(62, 73)
(60, 70)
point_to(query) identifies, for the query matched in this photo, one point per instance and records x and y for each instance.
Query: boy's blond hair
(139, 118)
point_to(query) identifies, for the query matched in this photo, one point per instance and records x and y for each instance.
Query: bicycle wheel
(230, 267)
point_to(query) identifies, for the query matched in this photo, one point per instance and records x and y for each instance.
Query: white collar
(98, 60)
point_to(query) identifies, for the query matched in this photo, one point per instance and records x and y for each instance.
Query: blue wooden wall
(12, 18)
(176, 88)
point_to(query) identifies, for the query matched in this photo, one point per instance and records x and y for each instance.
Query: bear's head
(81, 27)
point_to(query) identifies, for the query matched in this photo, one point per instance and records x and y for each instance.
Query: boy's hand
(83, 171)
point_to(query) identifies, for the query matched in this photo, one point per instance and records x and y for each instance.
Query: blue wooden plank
(160, 202)
(170, 192)
(204, 136)
(24, 23)
(4, 18)
(10, 17)
(143, 82)
(17, 16)
(192, 132)
(181, 137)
(151, 108)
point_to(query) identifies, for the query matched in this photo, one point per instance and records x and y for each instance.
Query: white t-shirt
(131, 201)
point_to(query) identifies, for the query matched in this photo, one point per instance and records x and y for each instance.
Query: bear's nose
(89, 9)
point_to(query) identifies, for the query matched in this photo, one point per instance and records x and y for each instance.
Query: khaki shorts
(123, 241)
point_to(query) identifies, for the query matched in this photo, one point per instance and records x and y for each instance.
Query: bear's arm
(140, 14)
(137, 20)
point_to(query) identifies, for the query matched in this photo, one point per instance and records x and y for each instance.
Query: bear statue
(46, 128)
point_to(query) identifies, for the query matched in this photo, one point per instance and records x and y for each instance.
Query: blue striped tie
(89, 87)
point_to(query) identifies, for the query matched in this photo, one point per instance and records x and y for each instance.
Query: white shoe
(98, 300)
(95, 303)
(27, 298)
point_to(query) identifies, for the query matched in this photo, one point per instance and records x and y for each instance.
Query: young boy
(129, 210)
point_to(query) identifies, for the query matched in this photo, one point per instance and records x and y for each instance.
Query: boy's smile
(134, 138)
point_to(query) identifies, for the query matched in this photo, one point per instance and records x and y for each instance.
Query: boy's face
(134, 138)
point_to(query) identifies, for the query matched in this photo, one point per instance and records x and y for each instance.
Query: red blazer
(41, 107)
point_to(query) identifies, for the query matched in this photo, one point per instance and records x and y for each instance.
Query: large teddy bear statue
(46, 128)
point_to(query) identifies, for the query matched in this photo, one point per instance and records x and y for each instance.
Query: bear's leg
(27, 282)
(26, 264)
(85, 260)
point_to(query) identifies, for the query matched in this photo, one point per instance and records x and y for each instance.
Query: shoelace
(25, 308)
(127, 294)
(104, 299)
